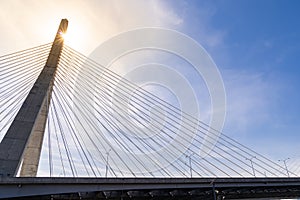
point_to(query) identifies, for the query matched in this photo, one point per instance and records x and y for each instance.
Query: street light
(284, 162)
(250, 159)
(190, 161)
(106, 168)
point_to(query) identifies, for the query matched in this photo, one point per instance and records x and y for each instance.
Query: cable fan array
(102, 125)
(18, 72)
(116, 129)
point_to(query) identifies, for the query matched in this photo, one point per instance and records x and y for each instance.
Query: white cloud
(28, 23)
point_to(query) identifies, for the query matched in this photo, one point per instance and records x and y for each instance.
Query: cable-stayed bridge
(127, 143)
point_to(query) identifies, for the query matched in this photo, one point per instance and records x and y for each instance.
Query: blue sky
(255, 45)
(263, 40)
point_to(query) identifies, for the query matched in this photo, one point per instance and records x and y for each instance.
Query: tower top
(63, 26)
(62, 29)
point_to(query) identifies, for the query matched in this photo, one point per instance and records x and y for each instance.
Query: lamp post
(284, 162)
(106, 168)
(250, 159)
(190, 162)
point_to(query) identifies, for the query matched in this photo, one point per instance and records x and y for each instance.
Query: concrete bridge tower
(21, 146)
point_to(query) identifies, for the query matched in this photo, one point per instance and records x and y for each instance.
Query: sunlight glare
(73, 37)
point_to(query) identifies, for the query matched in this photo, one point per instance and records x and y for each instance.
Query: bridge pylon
(21, 146)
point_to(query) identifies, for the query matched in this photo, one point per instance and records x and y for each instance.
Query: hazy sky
(255, 44)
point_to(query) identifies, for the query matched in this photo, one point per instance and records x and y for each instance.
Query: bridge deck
(128, 188)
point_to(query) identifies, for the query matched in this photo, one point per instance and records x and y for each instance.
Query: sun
(66, 36)
(73, 37)
(62, 34)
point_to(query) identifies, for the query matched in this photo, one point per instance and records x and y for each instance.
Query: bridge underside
(149, 188)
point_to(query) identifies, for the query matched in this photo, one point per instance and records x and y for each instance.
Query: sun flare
(73, 37)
